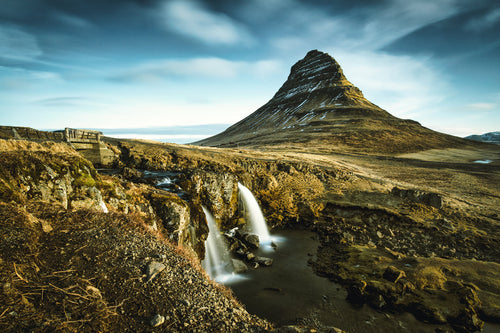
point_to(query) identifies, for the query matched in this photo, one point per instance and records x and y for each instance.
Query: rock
(157, 320)
(393, 274)
(132, 174)
(426, 198)
(250, 256)
(153, 269)
(264, 261)
(252, 240)
(239, 266)
(377, 301)
(93, 292)
(46, 227)
(301, 329)
(356, 293)
(467, 321)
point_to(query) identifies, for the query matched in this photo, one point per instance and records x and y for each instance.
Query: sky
(185, 69)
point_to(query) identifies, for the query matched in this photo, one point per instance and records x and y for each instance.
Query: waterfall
(256, 221)
(217, 261)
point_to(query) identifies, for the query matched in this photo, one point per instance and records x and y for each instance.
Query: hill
(318, 108)
(491, 137)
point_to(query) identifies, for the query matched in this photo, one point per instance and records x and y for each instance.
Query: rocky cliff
(367, 222)
(318, 109)
(86, 252)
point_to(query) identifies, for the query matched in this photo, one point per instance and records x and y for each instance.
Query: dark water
(289, 292)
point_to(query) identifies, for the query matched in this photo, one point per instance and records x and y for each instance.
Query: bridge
(87, 142)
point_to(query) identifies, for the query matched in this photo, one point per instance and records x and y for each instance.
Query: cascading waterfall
(256, 221)
(217, 261)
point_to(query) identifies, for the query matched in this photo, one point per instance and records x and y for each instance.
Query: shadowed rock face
(318, 107)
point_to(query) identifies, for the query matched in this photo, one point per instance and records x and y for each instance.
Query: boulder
(153, 269)
(264, 261)
(157, 320)
(239, 266)
(251, 240)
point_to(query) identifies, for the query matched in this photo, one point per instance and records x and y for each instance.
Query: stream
(288, 292)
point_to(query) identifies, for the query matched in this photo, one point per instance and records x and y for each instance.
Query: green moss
(106, 188)
(84, 180)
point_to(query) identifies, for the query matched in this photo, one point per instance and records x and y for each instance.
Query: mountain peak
(318, 107)
(317, 63)
(317, 71)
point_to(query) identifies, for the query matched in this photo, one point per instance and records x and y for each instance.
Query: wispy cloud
(370, 28)
(19, 78)
(191, 19)
(17, 44)
(402, 85)
(486, 21)
(63, 101)
(72, 20)
(196, 68)
(482, 106)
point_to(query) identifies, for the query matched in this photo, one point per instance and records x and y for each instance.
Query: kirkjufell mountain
(317, 107)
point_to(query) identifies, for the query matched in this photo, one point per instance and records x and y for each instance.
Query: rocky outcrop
(32, 172)
(216, 190)
(431, 199)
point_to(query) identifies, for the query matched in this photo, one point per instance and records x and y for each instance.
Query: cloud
(17, 44)
(402, 85)
(72, 20)
(485, 22)
(368, 28)
(191, 19)
(63, 101)
(196, 68)
(482, 106)
(20, 79)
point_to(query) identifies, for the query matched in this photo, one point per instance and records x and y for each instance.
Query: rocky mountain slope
(491, 137)
(318, 108)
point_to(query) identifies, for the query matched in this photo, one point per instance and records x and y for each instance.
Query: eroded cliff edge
(400, 234)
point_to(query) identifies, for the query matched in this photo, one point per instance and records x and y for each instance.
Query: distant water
(483, 161)
(173, 134)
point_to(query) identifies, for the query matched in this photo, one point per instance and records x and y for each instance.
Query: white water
(257, 223)
(164, 181)
(217, 261)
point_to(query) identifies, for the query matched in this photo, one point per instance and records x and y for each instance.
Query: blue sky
(165, 63)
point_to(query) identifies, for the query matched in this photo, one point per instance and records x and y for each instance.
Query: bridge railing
(78, 135)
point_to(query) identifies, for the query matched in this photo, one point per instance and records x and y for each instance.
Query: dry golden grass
(47, 146)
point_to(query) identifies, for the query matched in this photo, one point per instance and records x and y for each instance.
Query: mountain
(491, 137)
(318, 108)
